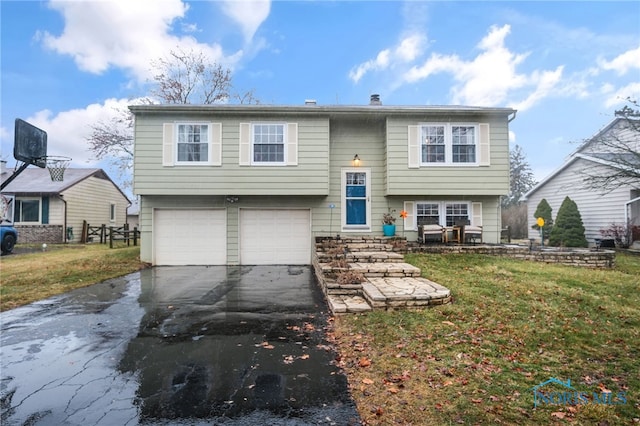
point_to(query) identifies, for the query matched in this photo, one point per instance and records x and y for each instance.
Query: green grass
(512, 325)
(26, 278)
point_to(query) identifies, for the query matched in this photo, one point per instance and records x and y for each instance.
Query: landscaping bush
(544, 211)
(568, 230)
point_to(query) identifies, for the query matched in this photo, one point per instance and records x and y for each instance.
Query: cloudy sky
(565, 66)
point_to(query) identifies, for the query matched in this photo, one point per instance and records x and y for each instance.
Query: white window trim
(113, 208)
(442, 210)
(210, 148)
(448, 144)
(20, 200)
(285, 144)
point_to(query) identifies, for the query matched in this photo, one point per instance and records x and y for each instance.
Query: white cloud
(67, 131)
(248, 14)
(123, 34)
(491, 77)
(407, 50)
(623, 63)
(618, 97)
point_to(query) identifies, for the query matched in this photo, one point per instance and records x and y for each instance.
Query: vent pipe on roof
(375, 99)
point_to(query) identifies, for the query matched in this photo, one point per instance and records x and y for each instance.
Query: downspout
(64, 229)
(512, 118)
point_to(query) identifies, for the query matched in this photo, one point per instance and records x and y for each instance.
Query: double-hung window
(193, 143)
(268, 140)
(442, 212)
(449, 144)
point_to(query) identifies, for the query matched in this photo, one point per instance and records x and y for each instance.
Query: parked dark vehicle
(8, 238)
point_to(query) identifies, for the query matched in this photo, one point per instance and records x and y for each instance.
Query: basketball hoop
(56, 166)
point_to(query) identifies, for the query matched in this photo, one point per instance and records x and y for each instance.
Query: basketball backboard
(30, 144)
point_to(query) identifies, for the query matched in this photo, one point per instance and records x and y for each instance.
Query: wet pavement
(176, 346)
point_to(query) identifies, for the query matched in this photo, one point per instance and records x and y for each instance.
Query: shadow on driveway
(179, 346)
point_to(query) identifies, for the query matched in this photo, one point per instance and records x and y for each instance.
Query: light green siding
(447, 180)
(308, 177)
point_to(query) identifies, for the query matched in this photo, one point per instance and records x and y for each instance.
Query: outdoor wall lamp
(232, 199)
(356, 161)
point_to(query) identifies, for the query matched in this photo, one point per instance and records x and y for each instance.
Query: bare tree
(180, 78)
(618, 149)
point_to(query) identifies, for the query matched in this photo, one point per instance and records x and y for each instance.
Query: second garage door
(190, 236)
(275, 237)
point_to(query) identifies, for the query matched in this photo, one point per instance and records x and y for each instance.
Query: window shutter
(414, 148)
(409, 222)
(245, 144)
(45, 210)
(168, 143)
(215, 144)
(484, 144)
(292, 144)
(476, 214)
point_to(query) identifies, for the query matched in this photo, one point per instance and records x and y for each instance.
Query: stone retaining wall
(573, 257)
(37, 234)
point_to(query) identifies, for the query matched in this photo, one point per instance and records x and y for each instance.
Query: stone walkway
(389, 283)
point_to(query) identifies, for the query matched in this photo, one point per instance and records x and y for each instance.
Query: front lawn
(26, 278)
(512, 325)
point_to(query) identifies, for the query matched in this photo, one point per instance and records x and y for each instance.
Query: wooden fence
(104, 234)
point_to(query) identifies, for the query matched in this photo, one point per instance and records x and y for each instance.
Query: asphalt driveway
(179, 346)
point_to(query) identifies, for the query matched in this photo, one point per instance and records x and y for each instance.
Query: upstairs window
(268, 143)
(193, 143)
(448, 144)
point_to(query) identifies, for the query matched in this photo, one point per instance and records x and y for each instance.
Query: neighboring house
(52, 212)
(255, 184)
(598, 209)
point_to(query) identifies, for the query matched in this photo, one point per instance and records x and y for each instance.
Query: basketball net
(56, 166)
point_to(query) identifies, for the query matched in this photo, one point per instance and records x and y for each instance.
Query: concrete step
(405, 293)
(340, 304)
(374, 257)
(391, 270)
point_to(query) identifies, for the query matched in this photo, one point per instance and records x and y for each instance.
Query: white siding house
(599, 209)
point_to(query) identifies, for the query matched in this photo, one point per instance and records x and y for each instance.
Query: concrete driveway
(179, 346)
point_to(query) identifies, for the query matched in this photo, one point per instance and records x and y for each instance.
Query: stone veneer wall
(572, 257)
(30, 234)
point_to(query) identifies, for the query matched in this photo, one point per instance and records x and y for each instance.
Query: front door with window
(356, 196)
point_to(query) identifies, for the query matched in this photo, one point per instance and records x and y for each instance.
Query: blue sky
(566, 66)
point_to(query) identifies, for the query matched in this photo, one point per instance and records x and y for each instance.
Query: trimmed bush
(544, 211)
(568, 230)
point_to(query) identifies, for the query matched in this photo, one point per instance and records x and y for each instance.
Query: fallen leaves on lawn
(364, 362)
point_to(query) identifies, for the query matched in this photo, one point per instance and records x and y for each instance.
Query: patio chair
(432, 232)
(472, 233)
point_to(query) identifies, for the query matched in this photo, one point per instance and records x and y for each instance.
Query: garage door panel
(190, 237)
(270, 237)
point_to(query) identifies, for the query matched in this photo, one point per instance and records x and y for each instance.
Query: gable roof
(605, 158)
(36, 180)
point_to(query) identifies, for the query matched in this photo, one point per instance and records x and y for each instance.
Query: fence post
(103, 234)
(126, 233)
(111, 237)
(135, 235)
(85, 232)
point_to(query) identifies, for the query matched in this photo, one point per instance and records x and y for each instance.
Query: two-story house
(255, 184)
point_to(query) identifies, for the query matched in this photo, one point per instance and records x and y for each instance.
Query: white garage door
(190, 237)
(275, 237)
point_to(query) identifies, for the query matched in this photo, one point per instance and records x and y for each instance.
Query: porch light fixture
(356, 161)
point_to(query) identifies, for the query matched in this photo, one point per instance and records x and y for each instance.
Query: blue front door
(356, 198)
